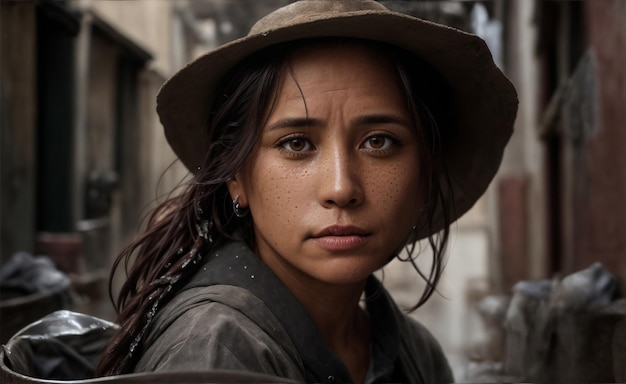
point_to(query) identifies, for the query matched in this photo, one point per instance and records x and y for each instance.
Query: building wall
(516, 218)
(522, 68)
(18, 103)
(110, 120)
(601, 230)
(148, 165)
(148, 23)
(564, 171)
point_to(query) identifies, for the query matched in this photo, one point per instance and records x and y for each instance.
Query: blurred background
(531, 289)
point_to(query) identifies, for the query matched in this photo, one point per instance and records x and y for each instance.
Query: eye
(296, 144)
(378, 142)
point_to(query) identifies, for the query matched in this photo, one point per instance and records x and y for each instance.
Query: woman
(333, 136)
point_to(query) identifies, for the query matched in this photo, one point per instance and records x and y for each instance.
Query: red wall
(601, 227)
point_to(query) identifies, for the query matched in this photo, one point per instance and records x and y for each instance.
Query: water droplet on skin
(236, 256)
(252, 276)
(245, 267)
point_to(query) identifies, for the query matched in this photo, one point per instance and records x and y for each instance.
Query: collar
(384, 331)
(235, 264)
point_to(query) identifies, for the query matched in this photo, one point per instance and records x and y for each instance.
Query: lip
(341, 230)
(341, 237)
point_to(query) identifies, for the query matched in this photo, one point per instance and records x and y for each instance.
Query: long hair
(201, 218)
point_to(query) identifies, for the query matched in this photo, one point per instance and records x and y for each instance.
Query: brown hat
(485, 100)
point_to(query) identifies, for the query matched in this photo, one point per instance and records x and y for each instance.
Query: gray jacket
(236, 314)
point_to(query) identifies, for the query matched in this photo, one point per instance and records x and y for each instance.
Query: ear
(236, 188)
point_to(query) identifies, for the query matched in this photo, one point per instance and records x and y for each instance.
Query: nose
(339, 183)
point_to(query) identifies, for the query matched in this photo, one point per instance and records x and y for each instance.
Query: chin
(347, 276)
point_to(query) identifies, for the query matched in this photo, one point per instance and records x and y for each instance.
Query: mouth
(338, 238)
(341, 230)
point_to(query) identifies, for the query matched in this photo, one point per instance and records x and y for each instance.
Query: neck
(343, 325)
(335, 311)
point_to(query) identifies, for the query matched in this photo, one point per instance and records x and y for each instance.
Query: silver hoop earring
(238, 209)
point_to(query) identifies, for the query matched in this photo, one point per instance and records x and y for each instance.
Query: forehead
(352, 59)
(339, 66)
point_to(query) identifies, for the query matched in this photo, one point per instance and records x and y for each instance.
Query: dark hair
(200, 219)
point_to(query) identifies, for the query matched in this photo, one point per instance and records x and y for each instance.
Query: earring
(238, 209)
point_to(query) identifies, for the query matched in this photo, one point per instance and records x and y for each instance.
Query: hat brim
(485, 100)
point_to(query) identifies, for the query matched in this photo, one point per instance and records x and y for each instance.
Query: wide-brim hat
(485, 100)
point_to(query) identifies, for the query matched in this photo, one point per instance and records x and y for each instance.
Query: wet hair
(200, 219)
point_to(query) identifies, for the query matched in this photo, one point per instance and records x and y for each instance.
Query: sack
(65, 347)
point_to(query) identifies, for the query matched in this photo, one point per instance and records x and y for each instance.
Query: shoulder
(421, 348)
(219, 327)
(419, 333)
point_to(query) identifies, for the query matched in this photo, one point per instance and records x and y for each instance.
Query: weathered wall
(148, 23)
(601, 223)
(18, 155)
(518, 225)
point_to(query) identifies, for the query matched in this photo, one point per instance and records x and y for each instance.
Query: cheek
(395, 189)
(274, 196)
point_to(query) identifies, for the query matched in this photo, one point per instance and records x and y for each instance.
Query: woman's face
(333, 185)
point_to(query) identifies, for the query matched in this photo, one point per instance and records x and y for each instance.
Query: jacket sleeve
(198, 335)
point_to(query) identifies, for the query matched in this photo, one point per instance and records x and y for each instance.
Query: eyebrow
(307, 122)
(380, 119)
(296, 122)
